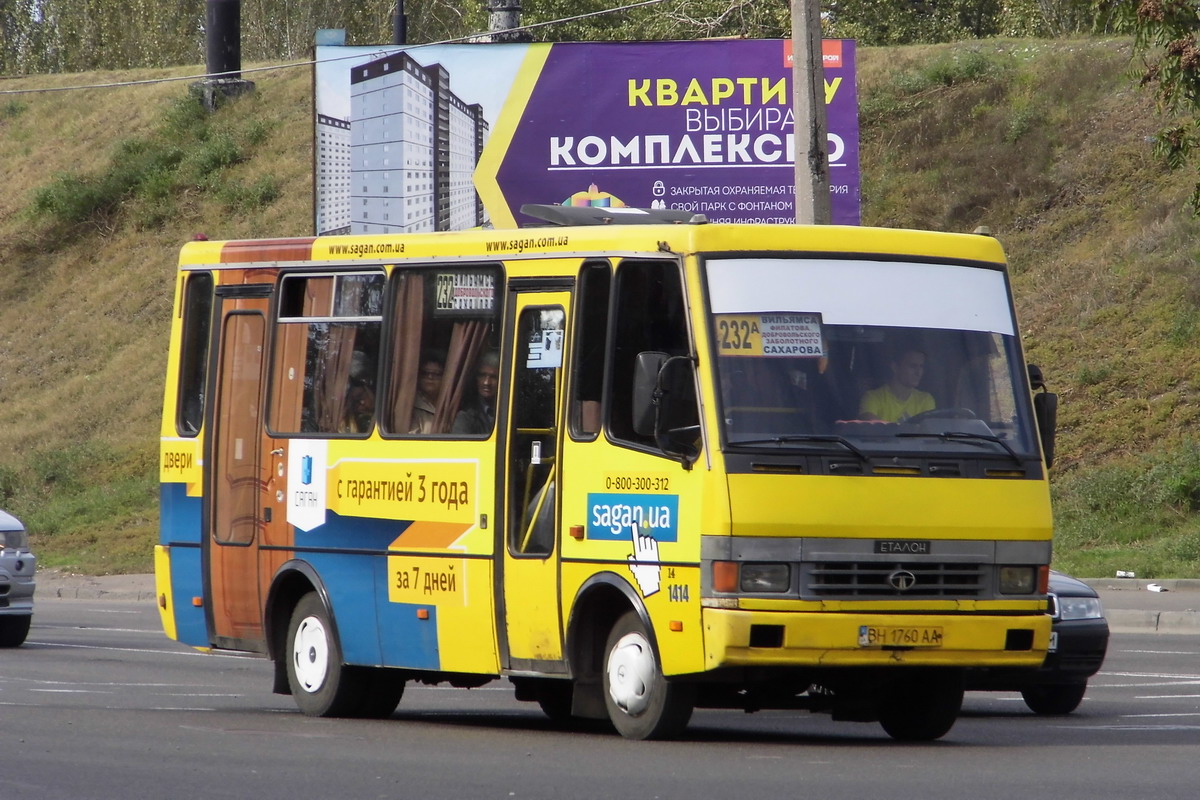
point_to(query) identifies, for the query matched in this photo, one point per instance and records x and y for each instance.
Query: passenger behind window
(360, 396)
(478, 411)
(899, 398)
(429, 385)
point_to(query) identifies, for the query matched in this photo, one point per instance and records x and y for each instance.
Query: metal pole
(223, 38)
(503, 16)
(399, 25)
(223, 54)
(808, 104)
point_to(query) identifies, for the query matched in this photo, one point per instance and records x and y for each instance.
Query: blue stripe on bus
(360, 533)
(406, 640)
(190, 625)
(179, 515)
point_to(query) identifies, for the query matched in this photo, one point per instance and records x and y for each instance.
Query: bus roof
(593, 239)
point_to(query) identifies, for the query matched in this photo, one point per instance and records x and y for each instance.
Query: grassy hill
(1045, 143)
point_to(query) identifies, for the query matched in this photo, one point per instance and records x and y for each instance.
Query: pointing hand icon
(643, 562)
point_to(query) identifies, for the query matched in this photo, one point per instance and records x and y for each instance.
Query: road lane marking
(239, 656)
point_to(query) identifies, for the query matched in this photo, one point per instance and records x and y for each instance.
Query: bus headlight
(1018, 580)
(749, 577)
(765, 578)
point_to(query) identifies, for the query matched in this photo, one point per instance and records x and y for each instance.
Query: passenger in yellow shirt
(899, 398)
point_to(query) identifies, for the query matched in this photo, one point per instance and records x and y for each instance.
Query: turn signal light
(725, 576)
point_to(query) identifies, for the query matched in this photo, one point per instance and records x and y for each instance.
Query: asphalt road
(99, 704)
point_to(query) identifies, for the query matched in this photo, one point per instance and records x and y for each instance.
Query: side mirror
(1045, 410)
(1036, 381)
(664, 403)
(645, 385)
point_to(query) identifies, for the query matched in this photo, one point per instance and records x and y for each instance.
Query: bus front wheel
(321, 684)
(641, 702)
(922, 707)
(1054, 698)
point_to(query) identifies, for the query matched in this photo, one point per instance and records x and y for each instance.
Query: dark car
(17, 566)
(1078, 643)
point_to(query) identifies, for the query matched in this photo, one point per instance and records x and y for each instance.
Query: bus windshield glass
(875, 357)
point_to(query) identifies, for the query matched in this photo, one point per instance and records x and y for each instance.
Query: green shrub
(189, 150)
(11, 109)
(256, 196)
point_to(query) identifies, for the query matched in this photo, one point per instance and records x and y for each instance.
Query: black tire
(14, 629)
(641, 703)
(555, 698)
(1054, 698)
(382, 690)
(921, 708)
(321, 684)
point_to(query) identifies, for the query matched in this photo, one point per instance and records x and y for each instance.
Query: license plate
(1053, 641)
(899, 636)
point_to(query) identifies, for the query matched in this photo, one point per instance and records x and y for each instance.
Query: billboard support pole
(399, 25)
(808, 105)
(223, 54)
(503, 16)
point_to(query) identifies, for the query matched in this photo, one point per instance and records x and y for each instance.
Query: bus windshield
(875, 357)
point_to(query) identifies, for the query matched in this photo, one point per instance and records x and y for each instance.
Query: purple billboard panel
(403, 135)
(699, 126)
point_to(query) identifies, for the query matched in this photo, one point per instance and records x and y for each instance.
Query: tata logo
(908, 547)
(902, 580)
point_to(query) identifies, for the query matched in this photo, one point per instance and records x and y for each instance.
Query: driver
(899, 398)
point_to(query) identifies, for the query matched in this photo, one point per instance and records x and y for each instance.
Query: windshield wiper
(946, 435)
(806, 437)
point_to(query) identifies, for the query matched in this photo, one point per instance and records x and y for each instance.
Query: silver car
(17, 565)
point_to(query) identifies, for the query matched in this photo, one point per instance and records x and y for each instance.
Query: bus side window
(533, 434)
(587, 385)
(649, 316)
(327, 354)
(197, 324)
(442, 324)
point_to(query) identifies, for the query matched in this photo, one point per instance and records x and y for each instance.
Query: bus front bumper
(738, 638)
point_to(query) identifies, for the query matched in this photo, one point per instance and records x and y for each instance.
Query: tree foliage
(1165, 39)
(74, 35)
(892, 22)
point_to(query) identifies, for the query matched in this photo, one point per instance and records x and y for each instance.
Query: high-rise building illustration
(333, 175)
(413, 149)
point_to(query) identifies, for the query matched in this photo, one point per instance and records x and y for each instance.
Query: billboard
(446, 137)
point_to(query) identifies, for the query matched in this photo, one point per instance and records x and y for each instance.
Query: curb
(1140, 584)
(93, 593)
(53, 584)
(1127, 621)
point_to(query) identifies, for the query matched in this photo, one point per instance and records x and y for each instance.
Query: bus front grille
(875, 579)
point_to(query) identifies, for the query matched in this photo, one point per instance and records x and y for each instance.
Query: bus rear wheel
(321, 684)
(641, 702)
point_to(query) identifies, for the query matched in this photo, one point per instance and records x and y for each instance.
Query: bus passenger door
(237, 476)
(530, 574)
